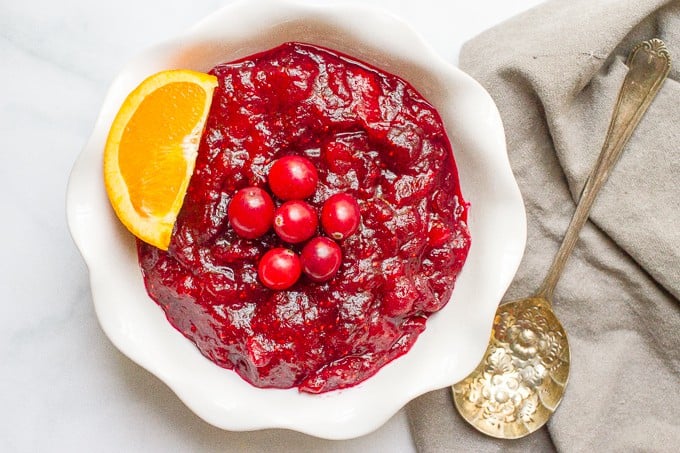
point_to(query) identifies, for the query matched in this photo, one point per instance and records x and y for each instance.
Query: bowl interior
(455, 338)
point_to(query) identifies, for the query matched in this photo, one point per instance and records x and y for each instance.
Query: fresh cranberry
(321, 258)
(279, 268)
(340, 216)
(295, 221)
(293, 178)
(251, 212)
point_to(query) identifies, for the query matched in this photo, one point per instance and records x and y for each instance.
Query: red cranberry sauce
(369, 134)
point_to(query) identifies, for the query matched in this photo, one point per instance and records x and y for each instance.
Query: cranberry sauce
(369, 134)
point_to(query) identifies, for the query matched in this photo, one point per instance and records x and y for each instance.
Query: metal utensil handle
(649, 63)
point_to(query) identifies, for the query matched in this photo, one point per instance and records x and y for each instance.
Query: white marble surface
(63, 386)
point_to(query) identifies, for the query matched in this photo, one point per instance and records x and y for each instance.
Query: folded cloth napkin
(555, 72)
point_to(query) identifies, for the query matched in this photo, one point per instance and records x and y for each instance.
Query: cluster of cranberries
(252, 213)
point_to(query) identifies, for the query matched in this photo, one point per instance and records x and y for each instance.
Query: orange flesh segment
(154, 165)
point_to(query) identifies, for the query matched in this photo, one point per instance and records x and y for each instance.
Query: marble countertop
(63, 386)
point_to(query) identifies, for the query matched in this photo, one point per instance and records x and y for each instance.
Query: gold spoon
(522, 377)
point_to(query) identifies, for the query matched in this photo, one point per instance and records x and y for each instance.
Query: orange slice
(151, 151)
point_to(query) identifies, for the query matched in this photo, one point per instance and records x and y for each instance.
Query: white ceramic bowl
(455, 338)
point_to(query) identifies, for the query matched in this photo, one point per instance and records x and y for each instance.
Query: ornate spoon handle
(649, 64)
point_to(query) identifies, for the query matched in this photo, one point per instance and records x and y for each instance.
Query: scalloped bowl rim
(455, 338)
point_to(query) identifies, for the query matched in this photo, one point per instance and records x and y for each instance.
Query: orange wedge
(151, 151)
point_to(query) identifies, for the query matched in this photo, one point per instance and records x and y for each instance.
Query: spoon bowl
(522, 378)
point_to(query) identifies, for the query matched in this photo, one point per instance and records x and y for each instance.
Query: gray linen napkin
(554, 73)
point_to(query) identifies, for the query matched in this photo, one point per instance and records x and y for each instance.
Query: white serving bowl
(455, 338)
